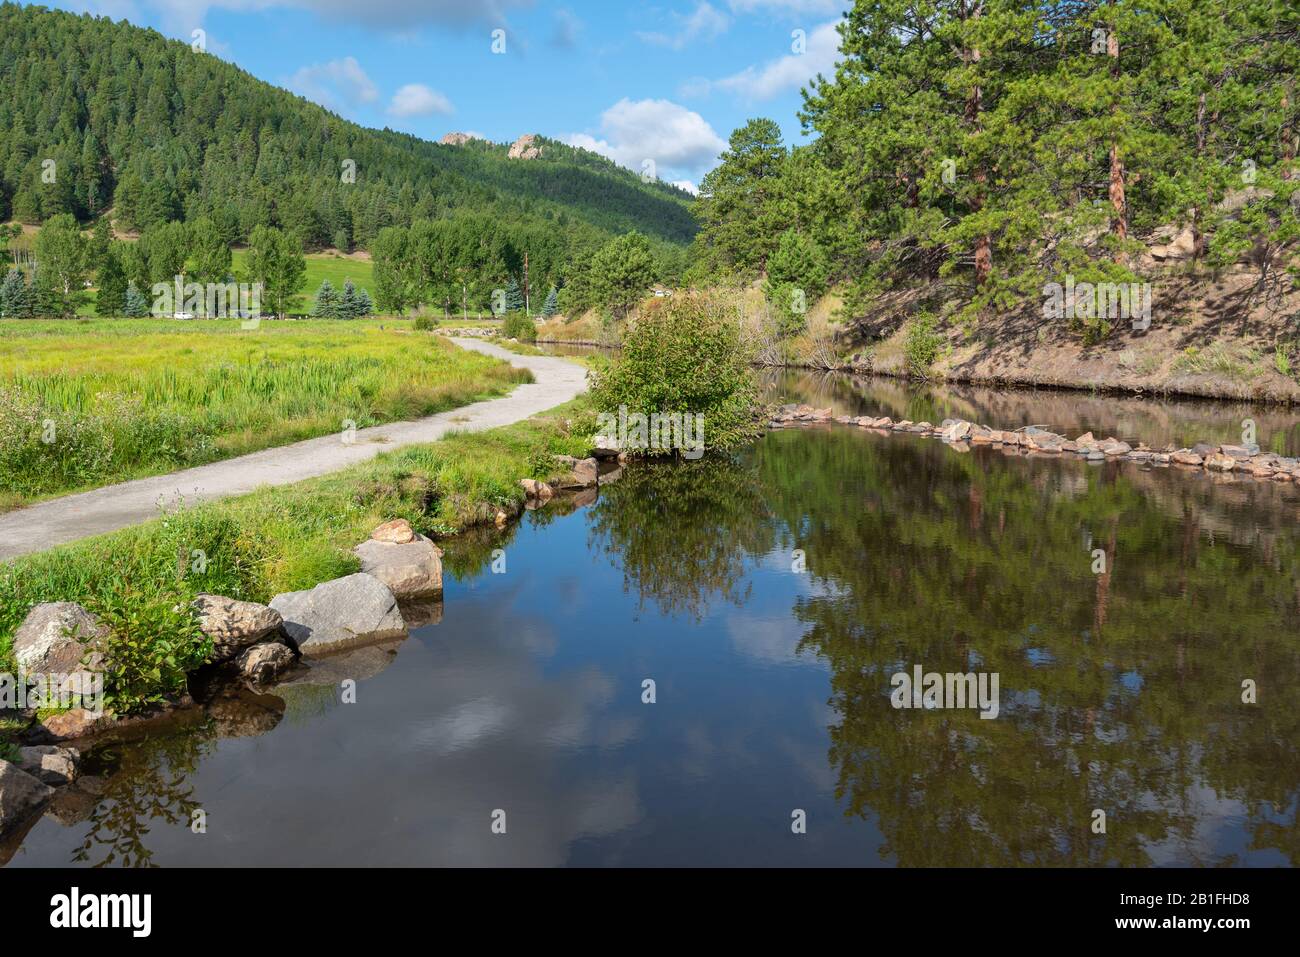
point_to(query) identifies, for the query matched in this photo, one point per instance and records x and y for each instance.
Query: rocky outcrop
(60, 638)
(339, 614)
(407, 562)
(1037, 440)
(458, 139)
(234, 625)
(21, 795)
(525, 148)
(265, 662)
(50, 764)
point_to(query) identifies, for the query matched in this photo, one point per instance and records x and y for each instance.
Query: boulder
(601, 454)
(1220, 462)
(582, 472)
(50, 764)
(20, 795)
(339, 614)
(1185, 457)
(412, 570)
(398, 532)
(265, 662)
(59, 638)
(1238, 451)
(234, 625)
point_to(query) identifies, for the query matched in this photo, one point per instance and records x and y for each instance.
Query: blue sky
(665, 82)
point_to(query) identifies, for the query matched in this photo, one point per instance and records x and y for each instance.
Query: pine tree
(365, 305)
(552, 304)
(110, 300)
(12, 294)
(514, 296)
(136, 306)
(327, 302)
(349, 305)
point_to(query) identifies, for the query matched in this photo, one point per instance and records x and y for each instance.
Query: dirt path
(66, 519)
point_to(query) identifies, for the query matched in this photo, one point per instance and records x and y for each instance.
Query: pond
(696, 668)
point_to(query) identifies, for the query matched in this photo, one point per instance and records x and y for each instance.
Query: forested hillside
(158, 132)
(986, 148)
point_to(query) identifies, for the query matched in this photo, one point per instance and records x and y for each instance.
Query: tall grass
(90, 403)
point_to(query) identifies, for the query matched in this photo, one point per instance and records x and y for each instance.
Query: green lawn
(321, 266)
(89, 402)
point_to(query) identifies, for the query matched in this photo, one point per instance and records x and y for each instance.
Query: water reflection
(1120, 690)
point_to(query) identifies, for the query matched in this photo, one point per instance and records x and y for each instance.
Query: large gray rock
(234, 625)
(410, 570)
(49, 764)
(338, 614)
(20, 795)
(58, 637)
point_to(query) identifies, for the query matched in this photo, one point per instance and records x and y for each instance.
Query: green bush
(154, 641)
(684, 355)
(425, 323)
(518, 326)
(921, 345)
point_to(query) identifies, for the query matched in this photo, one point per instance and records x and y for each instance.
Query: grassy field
(335, 267)
(296, 536)
(85, 403)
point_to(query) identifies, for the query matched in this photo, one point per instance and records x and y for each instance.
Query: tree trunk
(1118, 203)
(984, 244)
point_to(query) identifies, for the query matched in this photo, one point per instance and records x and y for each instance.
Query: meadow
(333, 266)
(85, 403)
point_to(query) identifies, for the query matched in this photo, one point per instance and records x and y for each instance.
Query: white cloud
(416, 99)
(704, 23)
(182, 15)
(687, 185)
(335, 84)
(785, 73)
(633, 131)
(787, 6)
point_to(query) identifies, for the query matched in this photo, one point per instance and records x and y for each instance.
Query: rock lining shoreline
(962, 434)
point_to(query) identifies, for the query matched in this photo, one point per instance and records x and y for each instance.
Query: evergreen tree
(514, 296)
(327, 302)
(110, 299)
(136, 306)
(13, 296)
(349, 304)
(552, 304)
(622, 273)
(365, 305)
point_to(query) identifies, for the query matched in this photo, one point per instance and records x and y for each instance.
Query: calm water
(1119, 692)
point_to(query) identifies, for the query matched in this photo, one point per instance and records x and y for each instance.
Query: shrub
(921, 345)
(684, 355)
(425, 323)
(518, 326)
(154, 641)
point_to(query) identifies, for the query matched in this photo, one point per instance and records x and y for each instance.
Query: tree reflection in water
(1120, 691)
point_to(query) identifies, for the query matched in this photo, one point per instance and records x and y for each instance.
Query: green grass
(128, 398)
(321, 266)
(296, 536)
